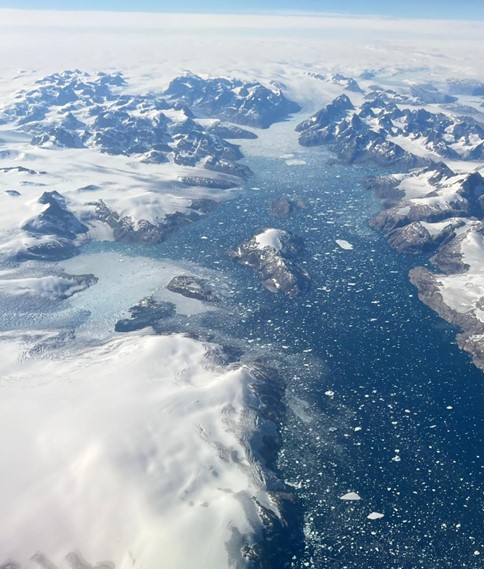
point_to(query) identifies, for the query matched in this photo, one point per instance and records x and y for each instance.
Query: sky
(435, 9)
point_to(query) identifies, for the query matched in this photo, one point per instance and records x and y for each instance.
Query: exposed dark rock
(57, 136)
(55, 220)
(471, 87)
(148, 312)
(51, 249)
(226, 167)
(472, 337)
(334, 111)
(429, 94)
(225, 130)
(449, 257)
(284, 207)
(230, 99)
(416, 239)
(364, 135)
(347, 83)
(214, 183)
(467, 202)
(276, 267)
(128, 230)
(89, 188)
(20, 169)
(193, 287)
(121, 124)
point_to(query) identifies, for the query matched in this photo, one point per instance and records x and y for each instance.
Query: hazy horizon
(432, 9)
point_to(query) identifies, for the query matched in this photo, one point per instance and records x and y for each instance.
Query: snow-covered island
(274, 254)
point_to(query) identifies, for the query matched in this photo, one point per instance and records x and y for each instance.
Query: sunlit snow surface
(121, 450)
(133, 449)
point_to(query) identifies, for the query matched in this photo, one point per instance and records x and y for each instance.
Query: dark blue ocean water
(381, 400)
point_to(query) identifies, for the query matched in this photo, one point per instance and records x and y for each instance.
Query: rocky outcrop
(284, 207)
(471, 87)
(213, 183)
(53, 235)
(427, 93)
(442, 215)
(193, 287)
(77, 110)
(147, 313)
(331, 113)
(233, 100)
(431, 217)
(56, 219)
(129, 230)
(415, 238)
(347, 83)
(227, 131)
(471, 339)
(273, 255)
(367, 134)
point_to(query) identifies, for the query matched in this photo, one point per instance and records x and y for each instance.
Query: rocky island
(192, 287)
(273, 254)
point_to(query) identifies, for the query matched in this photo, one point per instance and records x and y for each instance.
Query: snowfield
(124, 452)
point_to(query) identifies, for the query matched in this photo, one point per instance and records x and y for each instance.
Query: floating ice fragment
(357, 429)
(344, 244)
(350, 497)
(375, 516)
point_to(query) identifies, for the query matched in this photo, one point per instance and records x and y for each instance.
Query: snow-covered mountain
(381, 132)
(84, 113)
(230, 99)
(430, 205)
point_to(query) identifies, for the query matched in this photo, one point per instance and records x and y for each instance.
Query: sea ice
(375, 516)
(350, 497)
(344, 244)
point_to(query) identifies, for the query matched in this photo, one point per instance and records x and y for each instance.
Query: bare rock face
(284, 207)
(193, 287)
(245, 103)
(274, 255)
(147, 313)
(429, 219)
(128, 230)
(227, 130)
(364, 134)
(471, 339)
